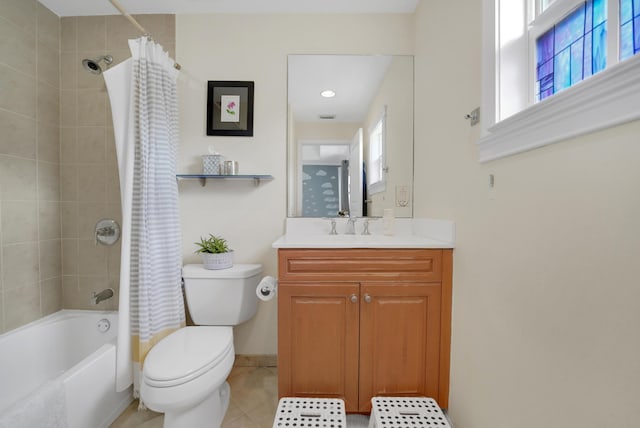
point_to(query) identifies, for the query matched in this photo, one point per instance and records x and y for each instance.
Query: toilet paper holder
(267, 288)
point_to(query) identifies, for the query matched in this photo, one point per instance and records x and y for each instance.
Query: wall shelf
(204, 177)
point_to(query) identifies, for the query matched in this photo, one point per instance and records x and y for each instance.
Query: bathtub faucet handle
(101, 296)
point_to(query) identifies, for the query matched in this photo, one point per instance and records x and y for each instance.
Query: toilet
(184, 375)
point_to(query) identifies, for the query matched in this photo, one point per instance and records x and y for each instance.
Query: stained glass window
(573, 49)
(629, 28)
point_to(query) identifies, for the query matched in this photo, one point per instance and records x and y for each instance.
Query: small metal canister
(230, 167)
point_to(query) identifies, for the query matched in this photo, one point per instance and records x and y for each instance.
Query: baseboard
(256, 361)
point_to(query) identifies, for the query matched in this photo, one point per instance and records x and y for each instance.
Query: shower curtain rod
(131, 19)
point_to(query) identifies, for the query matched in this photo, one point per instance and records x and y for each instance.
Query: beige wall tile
(91, 144)
(17, 92)
(111, 154)
(49, 220)
(68, 108)
(2, 329)
(18, 178)
(19, 265)
(48, 143)
(113, 261)
(18, 137)
(19, 221)
(69, 219)
(69, 291)
(92, 258)
(21, 305)
(17, 47)
(92, 33)
(48, 181)
(119, 31)
(68, 182)
(68, 145)
(48, 28)
(50, 259)
(21, 13)
(68, 70)
(48, 104)
(48, 65)
(92, 186)
(68, 31)
(113, 184)
(69, 257)
(92, 107)
(161, 27)
(51, 295)
(89, 213)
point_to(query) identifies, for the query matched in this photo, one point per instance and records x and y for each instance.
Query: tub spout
(103, 295)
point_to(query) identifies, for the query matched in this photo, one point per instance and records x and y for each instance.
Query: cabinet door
(399, 340)
(318, 341)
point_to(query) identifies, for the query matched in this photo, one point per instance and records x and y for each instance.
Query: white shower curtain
(142, 91)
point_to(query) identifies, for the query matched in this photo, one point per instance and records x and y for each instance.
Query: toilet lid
(187, 353)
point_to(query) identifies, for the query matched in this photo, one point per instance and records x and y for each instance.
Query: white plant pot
(217, 261)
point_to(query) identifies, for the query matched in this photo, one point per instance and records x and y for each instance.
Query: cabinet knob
(354, 298)
(367, 298)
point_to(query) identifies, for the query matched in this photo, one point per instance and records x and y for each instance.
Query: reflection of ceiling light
(328, 93)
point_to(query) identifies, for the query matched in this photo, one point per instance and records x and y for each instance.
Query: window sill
(610, 98)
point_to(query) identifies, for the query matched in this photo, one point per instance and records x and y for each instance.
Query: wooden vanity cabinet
(359, 323)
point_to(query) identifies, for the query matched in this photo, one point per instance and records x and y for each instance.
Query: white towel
(46, 407)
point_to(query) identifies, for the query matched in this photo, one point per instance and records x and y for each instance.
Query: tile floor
(254, 399)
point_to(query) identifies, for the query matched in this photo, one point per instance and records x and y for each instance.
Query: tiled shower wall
(58, 173)
(30, 260)
(89, 185)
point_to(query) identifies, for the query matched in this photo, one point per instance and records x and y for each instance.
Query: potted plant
(216, 253)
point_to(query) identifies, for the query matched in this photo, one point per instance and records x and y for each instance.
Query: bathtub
(74, 348)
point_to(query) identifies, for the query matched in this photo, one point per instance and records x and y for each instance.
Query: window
(572, 50)
(629, 28)
(556, 69)
(376, 169)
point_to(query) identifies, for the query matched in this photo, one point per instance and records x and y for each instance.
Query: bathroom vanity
(364, 316)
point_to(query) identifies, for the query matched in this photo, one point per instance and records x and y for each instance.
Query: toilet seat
(186, 354)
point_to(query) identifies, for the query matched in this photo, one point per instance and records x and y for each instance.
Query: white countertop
(409, 233)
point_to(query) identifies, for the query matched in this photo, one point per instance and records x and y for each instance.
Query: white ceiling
(103, 7)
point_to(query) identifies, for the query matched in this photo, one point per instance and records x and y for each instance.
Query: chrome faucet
(351, 226)
(101, 296)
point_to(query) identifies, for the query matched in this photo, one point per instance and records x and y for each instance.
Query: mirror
(350, 150)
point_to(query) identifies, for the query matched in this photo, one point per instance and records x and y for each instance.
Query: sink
(411, 233)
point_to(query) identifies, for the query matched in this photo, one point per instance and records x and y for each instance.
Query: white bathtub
(65, 346)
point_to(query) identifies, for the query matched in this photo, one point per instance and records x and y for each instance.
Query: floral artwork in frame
(230, 108)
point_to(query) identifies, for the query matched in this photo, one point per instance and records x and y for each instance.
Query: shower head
(93, 65)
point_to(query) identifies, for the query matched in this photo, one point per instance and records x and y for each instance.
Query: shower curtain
(143, 96)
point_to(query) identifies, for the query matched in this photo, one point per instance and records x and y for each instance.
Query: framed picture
(230, 108)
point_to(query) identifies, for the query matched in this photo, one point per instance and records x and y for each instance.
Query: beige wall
(30, 261)
(546, 303)
(255, 48)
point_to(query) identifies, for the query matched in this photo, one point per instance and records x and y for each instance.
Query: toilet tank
(223, 296)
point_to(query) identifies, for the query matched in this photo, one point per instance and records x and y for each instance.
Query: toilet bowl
(184, 375)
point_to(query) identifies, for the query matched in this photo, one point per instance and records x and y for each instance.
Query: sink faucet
(103, 295)
(351, 226)
(333, 226)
